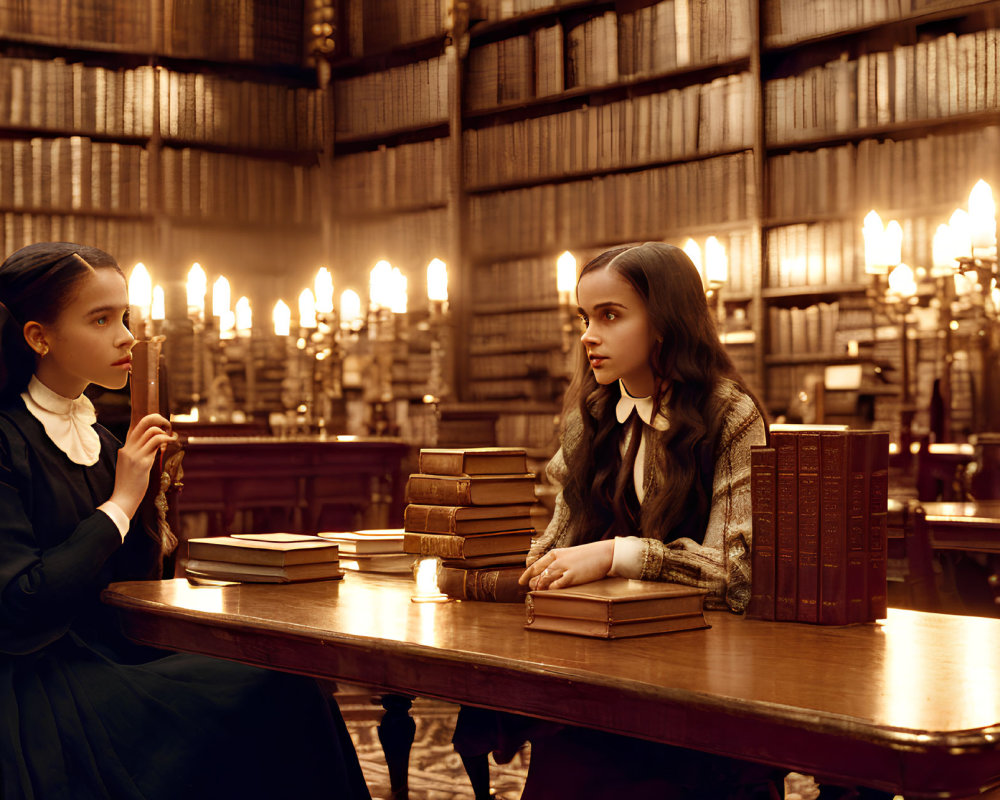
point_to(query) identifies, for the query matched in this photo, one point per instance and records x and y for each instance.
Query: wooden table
(971, 526)
(911, 705)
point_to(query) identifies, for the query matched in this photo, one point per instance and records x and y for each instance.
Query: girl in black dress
(83, 712)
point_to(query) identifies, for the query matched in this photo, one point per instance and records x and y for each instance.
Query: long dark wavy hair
(36, 283)
(688, 363)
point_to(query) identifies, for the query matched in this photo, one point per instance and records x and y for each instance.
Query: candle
(324, 291)
(307, 309)
(380, 285)
(282, 318)
(873, 234)
(437, 281)
(716, 262)
(566, 277)
(244, 317)
(398, 292)
(197, 284)
(892, 241)
(350, 310)
(220, 297)
(982, 216)
(140, 299)
(961, 231)
(943, 252)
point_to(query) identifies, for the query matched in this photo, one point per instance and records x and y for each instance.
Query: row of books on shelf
(411, 95)
(128, 240)
(73, 173)
(519, 365)
(392, 177)
(378, 25)
(943, 77)
(803, 330)
(820, 500)
(520, 281)
(411, 238)
(697, 119)
(224, 186)
(537, 387)
(620, 207)
(814, 254)
(92, 100)
(787, 21)
(517, 328)
(200, 107)
(471, 507)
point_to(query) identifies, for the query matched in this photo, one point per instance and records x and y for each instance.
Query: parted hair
(688, 363)
(36, 283)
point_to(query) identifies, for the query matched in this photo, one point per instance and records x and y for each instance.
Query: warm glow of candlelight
(282, 318)
(227, 322)
(902, 281)
(892, 242)
(961, 231)
(982, 215)
(140, 288)
(380, 285)
(158, 310)
(716, 261)
(350, 307)
(324, 291)
(244, 316)
(566, 275)
(197, 285)
(437, 281)
(874, 234)
(307, 309)
(943, 252)
(221, 294)
(398, 298)
(693, 251)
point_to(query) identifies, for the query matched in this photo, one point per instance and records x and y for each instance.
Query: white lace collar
(643, 407)
(68, 423)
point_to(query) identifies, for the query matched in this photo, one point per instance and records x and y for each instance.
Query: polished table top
(987, 511)
(911, 704)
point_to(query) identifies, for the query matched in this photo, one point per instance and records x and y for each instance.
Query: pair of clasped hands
(568, 566)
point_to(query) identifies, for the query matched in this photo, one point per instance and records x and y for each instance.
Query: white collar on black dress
(643, 407)
(69, 423)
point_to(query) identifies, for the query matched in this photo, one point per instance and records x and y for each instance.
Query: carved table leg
(396, 733)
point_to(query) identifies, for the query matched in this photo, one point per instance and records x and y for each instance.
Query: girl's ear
(34, 335)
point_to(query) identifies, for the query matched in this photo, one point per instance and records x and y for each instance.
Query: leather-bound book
(493, 560)
(858, 473)
(497, 584)
(762, 545)
(366, 542)
(877, 525)
(423, 518)
(266, 549)
(615, 608)
(465, 461)
(484, 490)
(198, 569)
(833, 528)
(786, 525)
(807, 591)
(446, 546)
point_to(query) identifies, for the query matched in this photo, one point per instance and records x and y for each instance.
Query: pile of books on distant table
(376, 550)
(471, 507)
(615, 608)
(263, 558)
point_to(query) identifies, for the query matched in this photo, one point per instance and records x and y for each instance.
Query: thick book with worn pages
(762, 545)
(204, 569)
(615, 600)
(370, 542)
(445, 546)
(603, 629)
(496, 560)
(478, 490)
(423, 518)
(256, 549)
(472, 461)
(497, 584)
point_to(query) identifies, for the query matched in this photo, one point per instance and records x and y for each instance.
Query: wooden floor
(436, 771)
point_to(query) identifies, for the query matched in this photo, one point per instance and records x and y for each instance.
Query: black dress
(84, 713)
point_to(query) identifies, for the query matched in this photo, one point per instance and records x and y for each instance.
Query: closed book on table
(378, 562)
(762, 544)
(449, 490)
(807, 582)
(604, 629)
(833, 528)
(264, 549)
(423, 518)
(786, 523)
(496, 560)
(370, 542)
(472, 461)
(615, 600)
(445, 546)
(497, 584)
(262, 573)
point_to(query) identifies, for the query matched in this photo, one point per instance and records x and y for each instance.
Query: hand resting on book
(568, 566)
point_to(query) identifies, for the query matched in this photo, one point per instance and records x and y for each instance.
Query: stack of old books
(471, 507)
(263, 558)
(820, 503)
(615, 608)
(375, 550)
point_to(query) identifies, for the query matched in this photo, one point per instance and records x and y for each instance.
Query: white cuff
(627, 559)
(119, 517)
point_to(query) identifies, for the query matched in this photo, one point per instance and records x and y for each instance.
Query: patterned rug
(436, 771)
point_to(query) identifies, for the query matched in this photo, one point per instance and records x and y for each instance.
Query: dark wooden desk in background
(910, 706)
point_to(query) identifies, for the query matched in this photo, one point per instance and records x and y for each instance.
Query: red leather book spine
(833, 529)
(877, 525)
(786, 525)
(762, 468)
(858, 472)
(808, 527)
